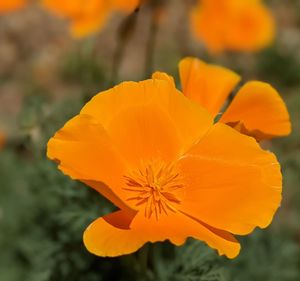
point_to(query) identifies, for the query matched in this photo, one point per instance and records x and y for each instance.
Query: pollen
(156, 188)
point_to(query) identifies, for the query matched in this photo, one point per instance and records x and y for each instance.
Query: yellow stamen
(157, 188)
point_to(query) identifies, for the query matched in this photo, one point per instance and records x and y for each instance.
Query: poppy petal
(84, 152)
(84, 26)
(63, 8)
(208, 85)
(252, 28)
(145, 133)
(170, 109)
(125, 232)
(210, 34)
(259, 111)
(233, 25)
(85, 17)
(110, 236)
(163, 76)
(11, 5)
(239, 184)
(177, 227)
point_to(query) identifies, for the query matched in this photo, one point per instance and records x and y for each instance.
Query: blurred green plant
(279, 67)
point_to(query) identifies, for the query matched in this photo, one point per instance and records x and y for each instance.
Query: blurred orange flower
(11, 5)
(233, 25)
(256, 110)
(88, 16)
(173, 174)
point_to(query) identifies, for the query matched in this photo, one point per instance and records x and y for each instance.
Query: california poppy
(11, 5)
(233, 25)
(256, 110)
(87, 16)
(171, 172)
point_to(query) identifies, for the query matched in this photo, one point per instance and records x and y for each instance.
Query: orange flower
(233, 25)
(87, 16)
(11, 5)
(257, 109)
(173, 174)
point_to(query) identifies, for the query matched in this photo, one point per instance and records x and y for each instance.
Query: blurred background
(46, 76)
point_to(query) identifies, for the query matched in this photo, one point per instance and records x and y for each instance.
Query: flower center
(157, 188)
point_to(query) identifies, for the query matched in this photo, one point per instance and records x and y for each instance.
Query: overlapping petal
(85, 152)
(231, 183)
(189, 120)
(111, 236)
(145, 132)
(132, 231)
(259, 111)
(208, 85)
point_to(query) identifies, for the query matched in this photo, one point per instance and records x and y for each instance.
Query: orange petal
(145, 133)
(84, 152)
(151, 116)
(251, 27)
(233, 25)
(177, 227)
(259, 111)
(110, 235)
(85, 17)
(123, 233)
(163, 76)
(11, 5)
(208, 85)
(211, 34)
(85, 26)
(231, 183)
(64, 8)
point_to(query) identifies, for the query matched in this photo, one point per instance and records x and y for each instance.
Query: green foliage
(82, 68)
(192, 262)
(267, 256)
(279, 67)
